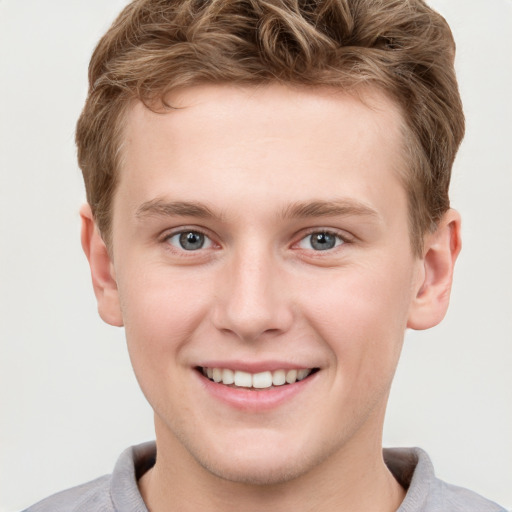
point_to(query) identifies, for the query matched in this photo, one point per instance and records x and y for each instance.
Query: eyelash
(166, 239)
(339, 240)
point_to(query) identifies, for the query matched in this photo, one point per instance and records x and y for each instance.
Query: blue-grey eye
(320, 241)
(190, 240)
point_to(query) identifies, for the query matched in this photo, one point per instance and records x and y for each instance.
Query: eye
(321, 241)
(189, 240)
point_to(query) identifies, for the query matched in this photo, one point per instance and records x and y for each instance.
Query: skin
(258, 291)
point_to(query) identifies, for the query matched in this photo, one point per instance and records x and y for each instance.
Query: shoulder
(425, 492)
(117, 492)
(94, 495)
(452, 497)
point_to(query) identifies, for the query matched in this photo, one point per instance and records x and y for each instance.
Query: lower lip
(256, 400)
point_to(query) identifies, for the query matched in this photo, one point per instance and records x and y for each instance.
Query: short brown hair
(401, 47)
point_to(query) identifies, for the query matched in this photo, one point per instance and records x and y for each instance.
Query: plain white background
(69, 402)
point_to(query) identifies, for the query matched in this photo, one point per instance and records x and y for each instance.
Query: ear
(441, 249)
(102, 270)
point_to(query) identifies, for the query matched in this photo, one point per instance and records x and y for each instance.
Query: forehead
(301, 110)
(271, 142)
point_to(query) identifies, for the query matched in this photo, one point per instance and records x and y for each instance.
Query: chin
(261, 474)
(262, 465)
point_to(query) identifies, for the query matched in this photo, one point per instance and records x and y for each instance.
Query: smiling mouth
(262, 380)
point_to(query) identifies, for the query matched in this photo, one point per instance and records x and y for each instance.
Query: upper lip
(255, 366)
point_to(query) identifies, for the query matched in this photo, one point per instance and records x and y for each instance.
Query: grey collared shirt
(118, 492)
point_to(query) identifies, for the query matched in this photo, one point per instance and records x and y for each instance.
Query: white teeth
(243, 379)
(260, 380)
(228, 376)
(302, 374)
(291, 376)
(278, 378)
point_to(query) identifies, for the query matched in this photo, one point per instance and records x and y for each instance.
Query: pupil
(323, 241)
(191, 240)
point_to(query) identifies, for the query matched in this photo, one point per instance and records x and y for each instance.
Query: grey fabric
(119, 492)
(426, 493)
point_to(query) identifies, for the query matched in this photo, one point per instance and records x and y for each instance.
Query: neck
(351, 480)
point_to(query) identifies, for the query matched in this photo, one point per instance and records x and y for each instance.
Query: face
(264, 273)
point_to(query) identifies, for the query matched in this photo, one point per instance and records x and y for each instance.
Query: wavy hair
(400, 47)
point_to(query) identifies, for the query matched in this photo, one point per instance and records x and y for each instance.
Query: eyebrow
(161, 208)
(337, 207)
(297, 210)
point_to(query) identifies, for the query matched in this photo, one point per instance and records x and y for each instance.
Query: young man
(267, 213)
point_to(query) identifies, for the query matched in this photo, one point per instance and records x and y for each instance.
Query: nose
(252, 300)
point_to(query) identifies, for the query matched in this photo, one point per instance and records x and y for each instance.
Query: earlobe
(102, 270)
(432, 297)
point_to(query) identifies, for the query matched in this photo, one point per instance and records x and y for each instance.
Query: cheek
(162, 311)
(361, 315)
(162, 308)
